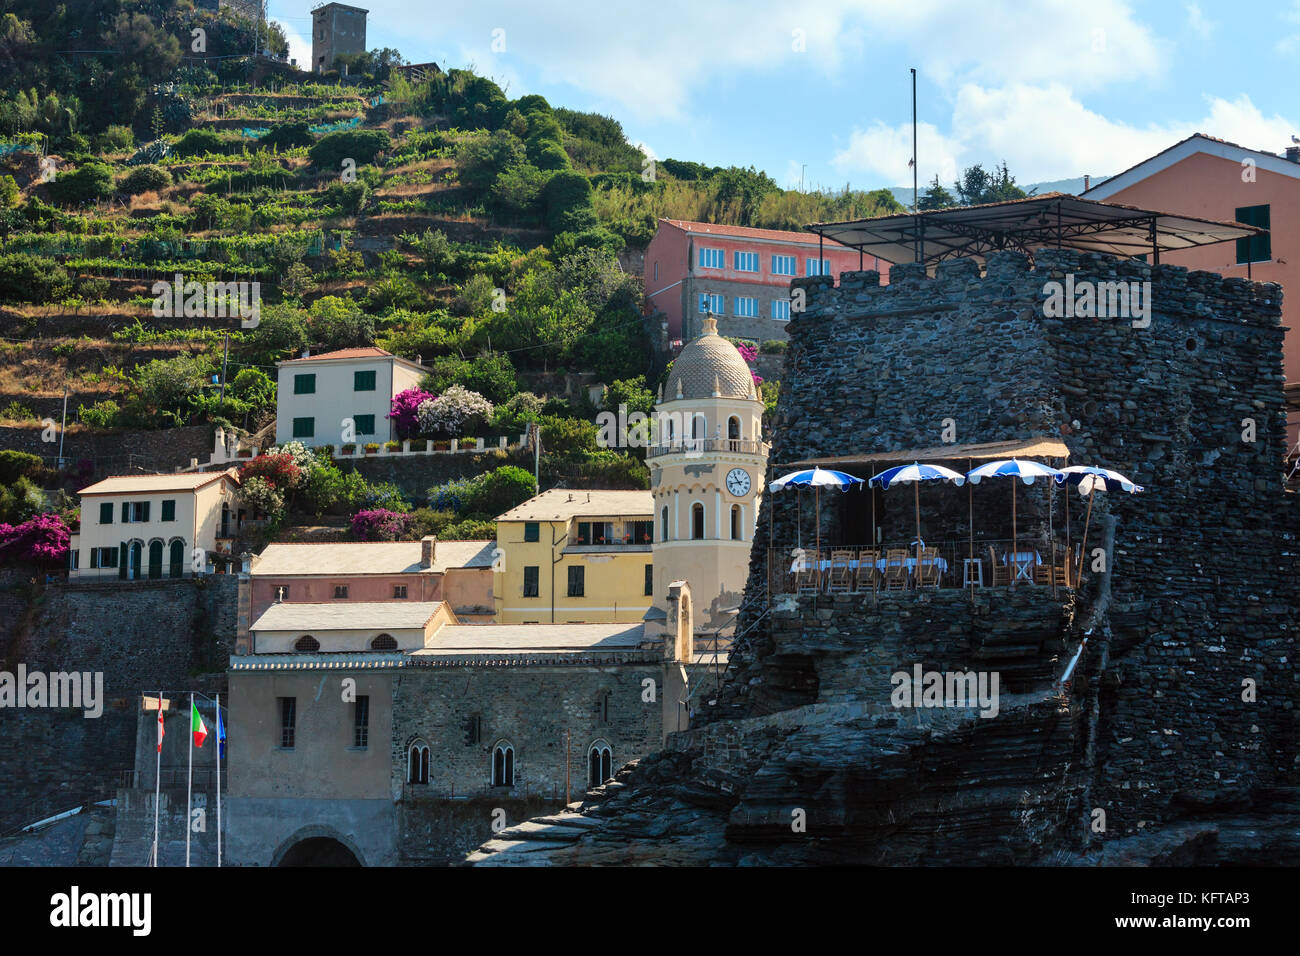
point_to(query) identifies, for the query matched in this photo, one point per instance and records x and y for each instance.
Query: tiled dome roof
(709, 367)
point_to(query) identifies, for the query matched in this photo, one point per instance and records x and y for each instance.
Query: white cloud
(1197, 22)
(884, 152)
(1044, 133)
(1291, 42)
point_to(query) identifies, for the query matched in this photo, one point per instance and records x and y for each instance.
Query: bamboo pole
(970, 522)
(1083, 549)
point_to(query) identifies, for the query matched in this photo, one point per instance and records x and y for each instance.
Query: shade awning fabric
(984, 451)
(1047, 221)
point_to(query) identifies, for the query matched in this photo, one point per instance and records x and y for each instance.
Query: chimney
(1086, 181)
(1293, 154)
(428, 545)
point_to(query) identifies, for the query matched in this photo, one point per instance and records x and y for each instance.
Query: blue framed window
(712, 303)
(784, 265)
(747, 305)
(745, 261)
(712, 259)
(817, 267)
(781, 309)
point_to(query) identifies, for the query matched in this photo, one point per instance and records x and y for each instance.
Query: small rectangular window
(532, 531)
(363, 381)
(745, 261)
(712, 303)
(341, 591)
(530, 581)
(781, 310)
(288, 721)
(304, 384)
(577, 581)
(169, 510)
(747, 306)
(304, 428)
(818, 267)
(361, 722)
(74, 560)
(399, 591)
(649, 579)
(365, 424)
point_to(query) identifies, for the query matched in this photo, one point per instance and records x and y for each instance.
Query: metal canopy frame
(1054, 220)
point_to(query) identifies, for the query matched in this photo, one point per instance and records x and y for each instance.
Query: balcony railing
(895, 567)
(698, 446)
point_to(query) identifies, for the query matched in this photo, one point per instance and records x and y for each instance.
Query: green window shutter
(126, 511)
(169, 510)
(1254, 248)
(106, 512)
(532, 531)
(304, 428)
(122, 562)
(365, 424)
(363, 381)
(649, 579)
(304, 384)
(146, 511)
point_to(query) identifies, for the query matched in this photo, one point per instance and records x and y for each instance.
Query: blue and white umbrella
(1089, 480)
(916, 473)
(817, 479)
(1026, 471)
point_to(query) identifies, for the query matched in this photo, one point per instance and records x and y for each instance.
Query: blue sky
(1057, 89)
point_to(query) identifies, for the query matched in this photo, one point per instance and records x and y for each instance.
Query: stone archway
(317, 846)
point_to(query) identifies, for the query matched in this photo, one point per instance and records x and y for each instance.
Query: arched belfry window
(417, 762)
(503, 764)
(663, 522)
(697, 521)
(733, 428)
(736, 530)
(600, 760)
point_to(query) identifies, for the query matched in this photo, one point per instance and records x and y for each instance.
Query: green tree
(501, 489)
(171, 384)
(935, 196)
(567, 198)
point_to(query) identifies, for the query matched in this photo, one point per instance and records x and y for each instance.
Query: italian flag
(197, 727)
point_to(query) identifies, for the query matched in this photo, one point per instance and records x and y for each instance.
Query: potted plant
(393, 445)
(372, 447)
(348, 449)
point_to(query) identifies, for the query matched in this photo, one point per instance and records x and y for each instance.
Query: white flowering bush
(456, 412)
(262, 496)
(302, 456)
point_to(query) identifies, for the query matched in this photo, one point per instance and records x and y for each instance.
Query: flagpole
(220, 728)
(157, 780)
(189, 781)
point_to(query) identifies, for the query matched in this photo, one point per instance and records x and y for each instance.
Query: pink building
(739, 274)
(1209, 178)
(456, 572)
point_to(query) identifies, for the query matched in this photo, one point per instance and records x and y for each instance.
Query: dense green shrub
(287, 136)
(87, 183)
(489, 373)
(144, 179)
(199, 142)
(361, 146)
(26, 278)
(19, 464)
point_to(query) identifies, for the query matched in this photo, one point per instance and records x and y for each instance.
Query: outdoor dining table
(1025, 562)
(910, 564)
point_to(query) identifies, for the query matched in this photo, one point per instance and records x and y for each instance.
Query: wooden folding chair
(927, 571)
(808, 578)
(1052, 573)
(1001, 572)
(896, 569)
(867, 575)
(841, 571)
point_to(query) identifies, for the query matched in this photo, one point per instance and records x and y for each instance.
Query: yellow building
(572, 556)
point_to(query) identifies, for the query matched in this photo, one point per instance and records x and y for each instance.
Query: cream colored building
(317, 396)
(570, 556)
(707, 468)
(155, 526)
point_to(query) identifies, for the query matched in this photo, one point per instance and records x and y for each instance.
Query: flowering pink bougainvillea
(748, 352)
(405, 410)
(379, 525)
(43, 539)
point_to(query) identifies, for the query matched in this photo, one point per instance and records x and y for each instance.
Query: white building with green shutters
(319, 396)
